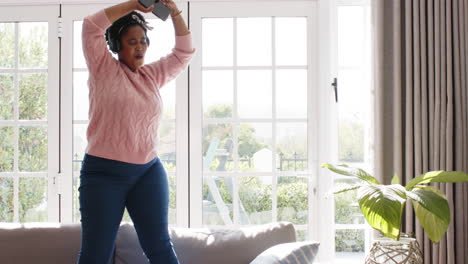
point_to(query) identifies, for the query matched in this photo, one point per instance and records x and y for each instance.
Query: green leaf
(431, 201)
(353, 172)
(347, 188)
(383, 205)
(438, 176)
(430, 188)
(395, 179)
(432, 210)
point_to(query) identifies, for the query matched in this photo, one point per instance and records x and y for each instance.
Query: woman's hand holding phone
(161, 8)
(172, 6)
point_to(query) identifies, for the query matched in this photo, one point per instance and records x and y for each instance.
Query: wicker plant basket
(404, 251)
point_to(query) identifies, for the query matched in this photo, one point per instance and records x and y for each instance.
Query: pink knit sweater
(124, 106)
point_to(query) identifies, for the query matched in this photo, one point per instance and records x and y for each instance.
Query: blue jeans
(106, 188)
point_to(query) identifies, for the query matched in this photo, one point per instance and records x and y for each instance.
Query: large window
(244, 130)
(28, 115)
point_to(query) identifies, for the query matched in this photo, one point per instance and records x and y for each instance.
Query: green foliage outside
(7, 96)
(6, 196)
(32, 105)
(32, 192)
(7, 51)
(292, 197)
(292, 192)
(347, 212)
(351, 141)
(349, 240)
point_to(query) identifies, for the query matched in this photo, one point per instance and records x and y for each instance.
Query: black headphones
(114, 43)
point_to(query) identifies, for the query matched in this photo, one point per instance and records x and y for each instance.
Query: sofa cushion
(39, 243)
(289, 253)
(209, 246)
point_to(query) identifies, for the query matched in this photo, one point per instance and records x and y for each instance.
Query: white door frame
(44, 13)
(318, 100)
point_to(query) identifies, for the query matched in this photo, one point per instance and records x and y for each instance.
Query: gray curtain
(421, 114)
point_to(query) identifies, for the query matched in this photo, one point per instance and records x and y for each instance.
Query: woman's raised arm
(180, 27)
(115, 12)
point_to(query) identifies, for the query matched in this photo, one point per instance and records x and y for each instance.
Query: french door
(29, 114)
(254, 114)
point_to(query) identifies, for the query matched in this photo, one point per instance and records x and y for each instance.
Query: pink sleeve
(169, 67)
(97, 56)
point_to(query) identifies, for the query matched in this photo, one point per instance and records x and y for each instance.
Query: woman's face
(133, 47)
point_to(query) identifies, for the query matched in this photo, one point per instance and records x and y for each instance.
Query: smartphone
(146, 3)
(160, 10)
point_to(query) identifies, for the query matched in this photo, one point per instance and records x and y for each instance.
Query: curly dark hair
(120, 27)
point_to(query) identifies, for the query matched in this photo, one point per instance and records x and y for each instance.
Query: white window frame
(368, 138)
(34, 13)
(320, 106)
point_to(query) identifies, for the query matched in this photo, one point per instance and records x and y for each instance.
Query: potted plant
(383, 204)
